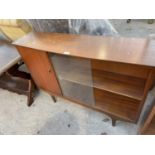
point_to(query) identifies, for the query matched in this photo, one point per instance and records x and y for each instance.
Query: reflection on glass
(75, 78)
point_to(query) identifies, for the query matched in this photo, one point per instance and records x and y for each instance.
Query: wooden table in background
(9, 56)
(10, 77)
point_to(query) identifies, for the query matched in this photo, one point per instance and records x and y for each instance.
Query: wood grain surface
(138, 51)
(41, 69)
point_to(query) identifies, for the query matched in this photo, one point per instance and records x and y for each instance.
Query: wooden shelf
(124, 85)
(116, 105)
(114, 93)
(114, 111)
(106, 81)
(118, 87)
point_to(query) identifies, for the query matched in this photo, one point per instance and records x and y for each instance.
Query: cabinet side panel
(41, 69)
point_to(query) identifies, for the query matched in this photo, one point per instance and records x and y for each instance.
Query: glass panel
(75, 77)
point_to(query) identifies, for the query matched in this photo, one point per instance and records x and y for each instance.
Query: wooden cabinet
(109, 74)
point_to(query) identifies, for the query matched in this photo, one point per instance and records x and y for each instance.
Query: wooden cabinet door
(41, 69)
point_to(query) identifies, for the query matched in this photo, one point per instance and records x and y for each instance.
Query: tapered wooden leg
(54, 99)
(128, 21)
(31, 93)
(30, 99)
(113, 122)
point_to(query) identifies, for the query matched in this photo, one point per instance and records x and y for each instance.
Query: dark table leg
(19, 82)
(54, 99)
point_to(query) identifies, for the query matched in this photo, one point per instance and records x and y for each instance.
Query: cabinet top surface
(138, 51)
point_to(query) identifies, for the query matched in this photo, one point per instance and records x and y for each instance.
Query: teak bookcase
(109, 74)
